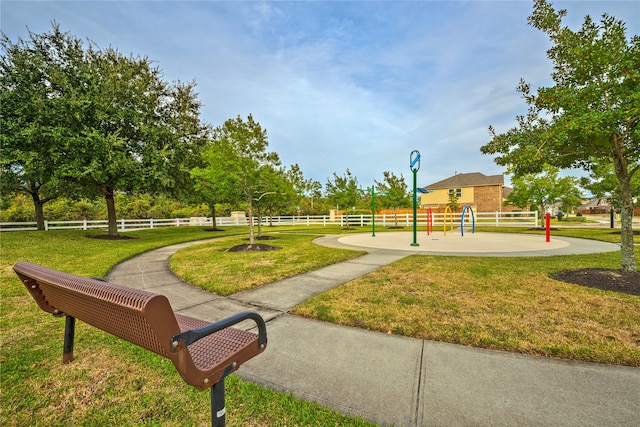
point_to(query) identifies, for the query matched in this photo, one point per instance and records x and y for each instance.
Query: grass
(112, 382)
(238, 271)
(505, 303)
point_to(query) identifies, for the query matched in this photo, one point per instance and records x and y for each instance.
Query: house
(483, 193)
(595, 206)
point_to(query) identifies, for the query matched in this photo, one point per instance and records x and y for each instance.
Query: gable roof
(596, 203)
(474, 179)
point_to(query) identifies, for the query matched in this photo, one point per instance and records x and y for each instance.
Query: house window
(455, 191)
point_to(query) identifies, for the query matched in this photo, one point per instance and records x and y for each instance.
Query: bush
(191, 211)
(20, 209)
(64, 209)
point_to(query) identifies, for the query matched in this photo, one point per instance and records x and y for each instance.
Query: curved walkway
(393, 380)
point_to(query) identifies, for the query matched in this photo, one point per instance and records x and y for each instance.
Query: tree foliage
(34, 118)
(307, 190)
(242, 161)
(602, 183)
(394, 193)
(95, 118)
(343, 191)
(545, 191)
(589, 118)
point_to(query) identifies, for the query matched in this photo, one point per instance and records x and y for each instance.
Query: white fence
(496, 219)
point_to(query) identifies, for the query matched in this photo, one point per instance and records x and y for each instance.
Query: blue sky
(339, 84)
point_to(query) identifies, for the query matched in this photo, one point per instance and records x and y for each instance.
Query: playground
(476, 244)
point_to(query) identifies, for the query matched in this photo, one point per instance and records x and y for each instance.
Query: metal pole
(612, 214)
(373, 212)
(69, 332)
(218, 408)
(548, 226)
(415, 206)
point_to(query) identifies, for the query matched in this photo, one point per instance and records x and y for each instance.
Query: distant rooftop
(474, 179)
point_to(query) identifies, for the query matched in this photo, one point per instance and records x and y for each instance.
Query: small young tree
(453, 201)
(543, 190)
(245, 161)
(394, 193)
(343, 191)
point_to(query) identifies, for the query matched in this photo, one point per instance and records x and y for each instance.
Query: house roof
(596, 203)
(474, 179)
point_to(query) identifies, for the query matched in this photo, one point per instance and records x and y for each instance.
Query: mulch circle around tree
(107, 237)
(258, 247)
(627, 282)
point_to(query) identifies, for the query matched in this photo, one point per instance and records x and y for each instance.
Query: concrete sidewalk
(393, 380)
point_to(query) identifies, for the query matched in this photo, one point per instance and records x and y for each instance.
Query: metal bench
(203, 353)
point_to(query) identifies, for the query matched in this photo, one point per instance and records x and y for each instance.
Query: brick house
(483, 193)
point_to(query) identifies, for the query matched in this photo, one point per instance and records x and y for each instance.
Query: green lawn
(112, 382)
(235, 272)
(502, 303)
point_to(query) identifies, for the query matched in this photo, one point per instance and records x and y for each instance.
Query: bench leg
(218, 408)
(69, 332)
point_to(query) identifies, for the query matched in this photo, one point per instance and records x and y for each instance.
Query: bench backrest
(143, 318)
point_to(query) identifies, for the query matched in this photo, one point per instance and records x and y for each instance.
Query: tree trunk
(38, 206)
(213, 217)
(395, 215)
(627, 255)
(259, 221)
(111, 211)
(252, 239)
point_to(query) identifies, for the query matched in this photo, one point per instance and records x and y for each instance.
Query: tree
(602, 183)
(213, 181)
(245, 160)
(343, 191)
(34, 77)
(306, 189)
(589, 119)
(138, 133)
(277, 194)
(542, 191)
(100, 120)
(394, 193)
(453, 201)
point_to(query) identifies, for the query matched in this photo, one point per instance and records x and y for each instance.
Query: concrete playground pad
(477, 244)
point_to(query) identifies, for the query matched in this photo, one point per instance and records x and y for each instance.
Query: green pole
(414, 165)
(415, 204)
(373, 212)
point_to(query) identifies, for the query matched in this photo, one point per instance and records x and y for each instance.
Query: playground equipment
(429, 222)
(473, 220)
(548, 226)
(444, 219)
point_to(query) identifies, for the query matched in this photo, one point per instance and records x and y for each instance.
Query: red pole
(548, 218)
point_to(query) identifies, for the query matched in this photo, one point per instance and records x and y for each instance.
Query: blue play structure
(473, 220)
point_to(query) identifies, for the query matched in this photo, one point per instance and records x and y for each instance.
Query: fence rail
(497, 219)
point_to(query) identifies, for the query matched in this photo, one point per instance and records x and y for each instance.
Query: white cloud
(339, 85)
